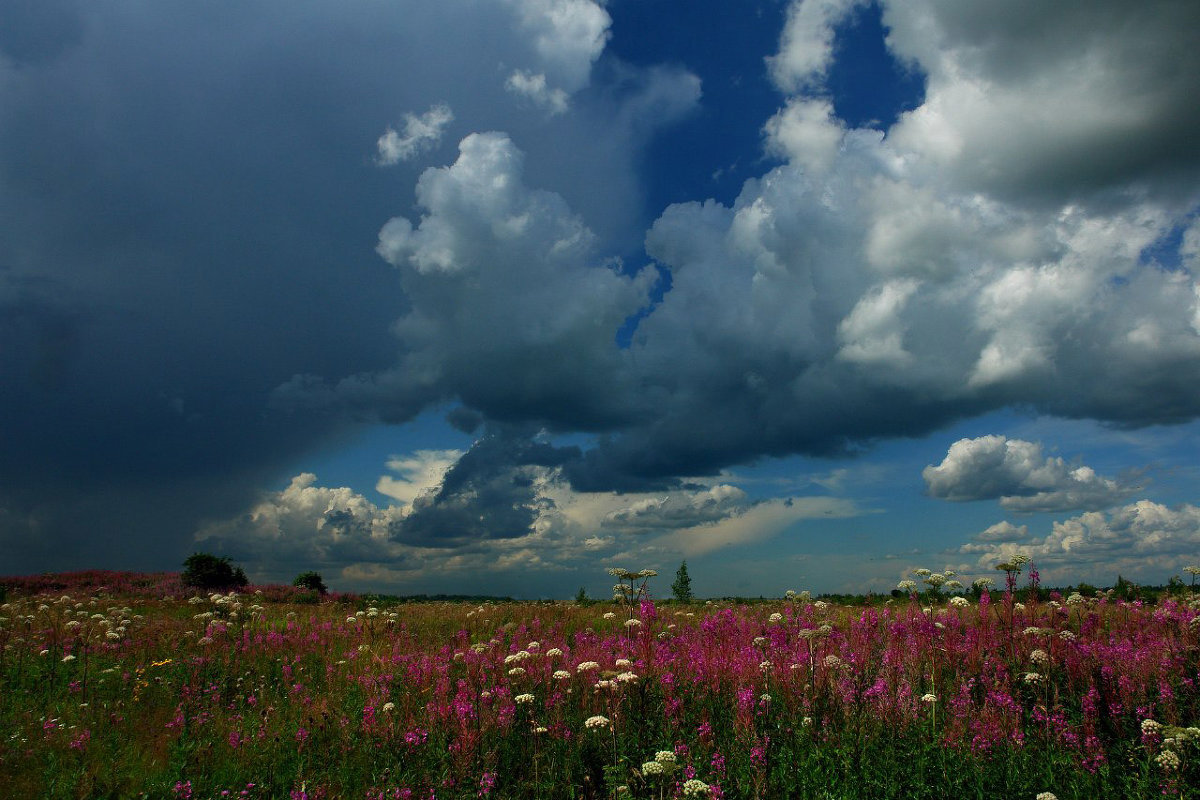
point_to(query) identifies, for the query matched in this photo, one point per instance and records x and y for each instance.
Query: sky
(485, 297)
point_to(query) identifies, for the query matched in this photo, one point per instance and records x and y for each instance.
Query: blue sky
(468, 296)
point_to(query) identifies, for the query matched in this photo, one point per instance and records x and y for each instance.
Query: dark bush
(311, 581)
(206, 571)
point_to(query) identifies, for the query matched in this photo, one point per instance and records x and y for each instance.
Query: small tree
(581, 597)
(206, 571)
(312, 581)
(682, 587)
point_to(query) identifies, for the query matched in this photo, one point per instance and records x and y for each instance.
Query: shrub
(206, 571)
(312, 581)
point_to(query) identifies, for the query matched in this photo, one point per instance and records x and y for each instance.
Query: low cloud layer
(506, 520)
(1139, 539)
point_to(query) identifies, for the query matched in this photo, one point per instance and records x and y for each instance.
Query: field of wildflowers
(117, 685)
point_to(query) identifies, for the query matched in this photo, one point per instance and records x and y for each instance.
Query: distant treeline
(168, 584)
(391, 599)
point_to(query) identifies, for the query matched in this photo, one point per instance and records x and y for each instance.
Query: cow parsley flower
(597, 722)
(523, 699)
(695, 788)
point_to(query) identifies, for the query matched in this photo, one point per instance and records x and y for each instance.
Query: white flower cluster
(587, 665)
(598, 721)
(695, 788)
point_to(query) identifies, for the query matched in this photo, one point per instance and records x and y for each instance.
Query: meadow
(119, 685)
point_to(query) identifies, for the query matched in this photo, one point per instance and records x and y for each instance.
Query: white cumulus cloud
(533, 87)
(1142, 538)
(421, 133)
(416, 474)
(1016, 473)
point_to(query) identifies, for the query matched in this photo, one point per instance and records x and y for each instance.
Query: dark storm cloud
(492, 492)
(188, 203)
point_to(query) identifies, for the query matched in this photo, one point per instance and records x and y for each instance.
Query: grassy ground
(138, 690)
